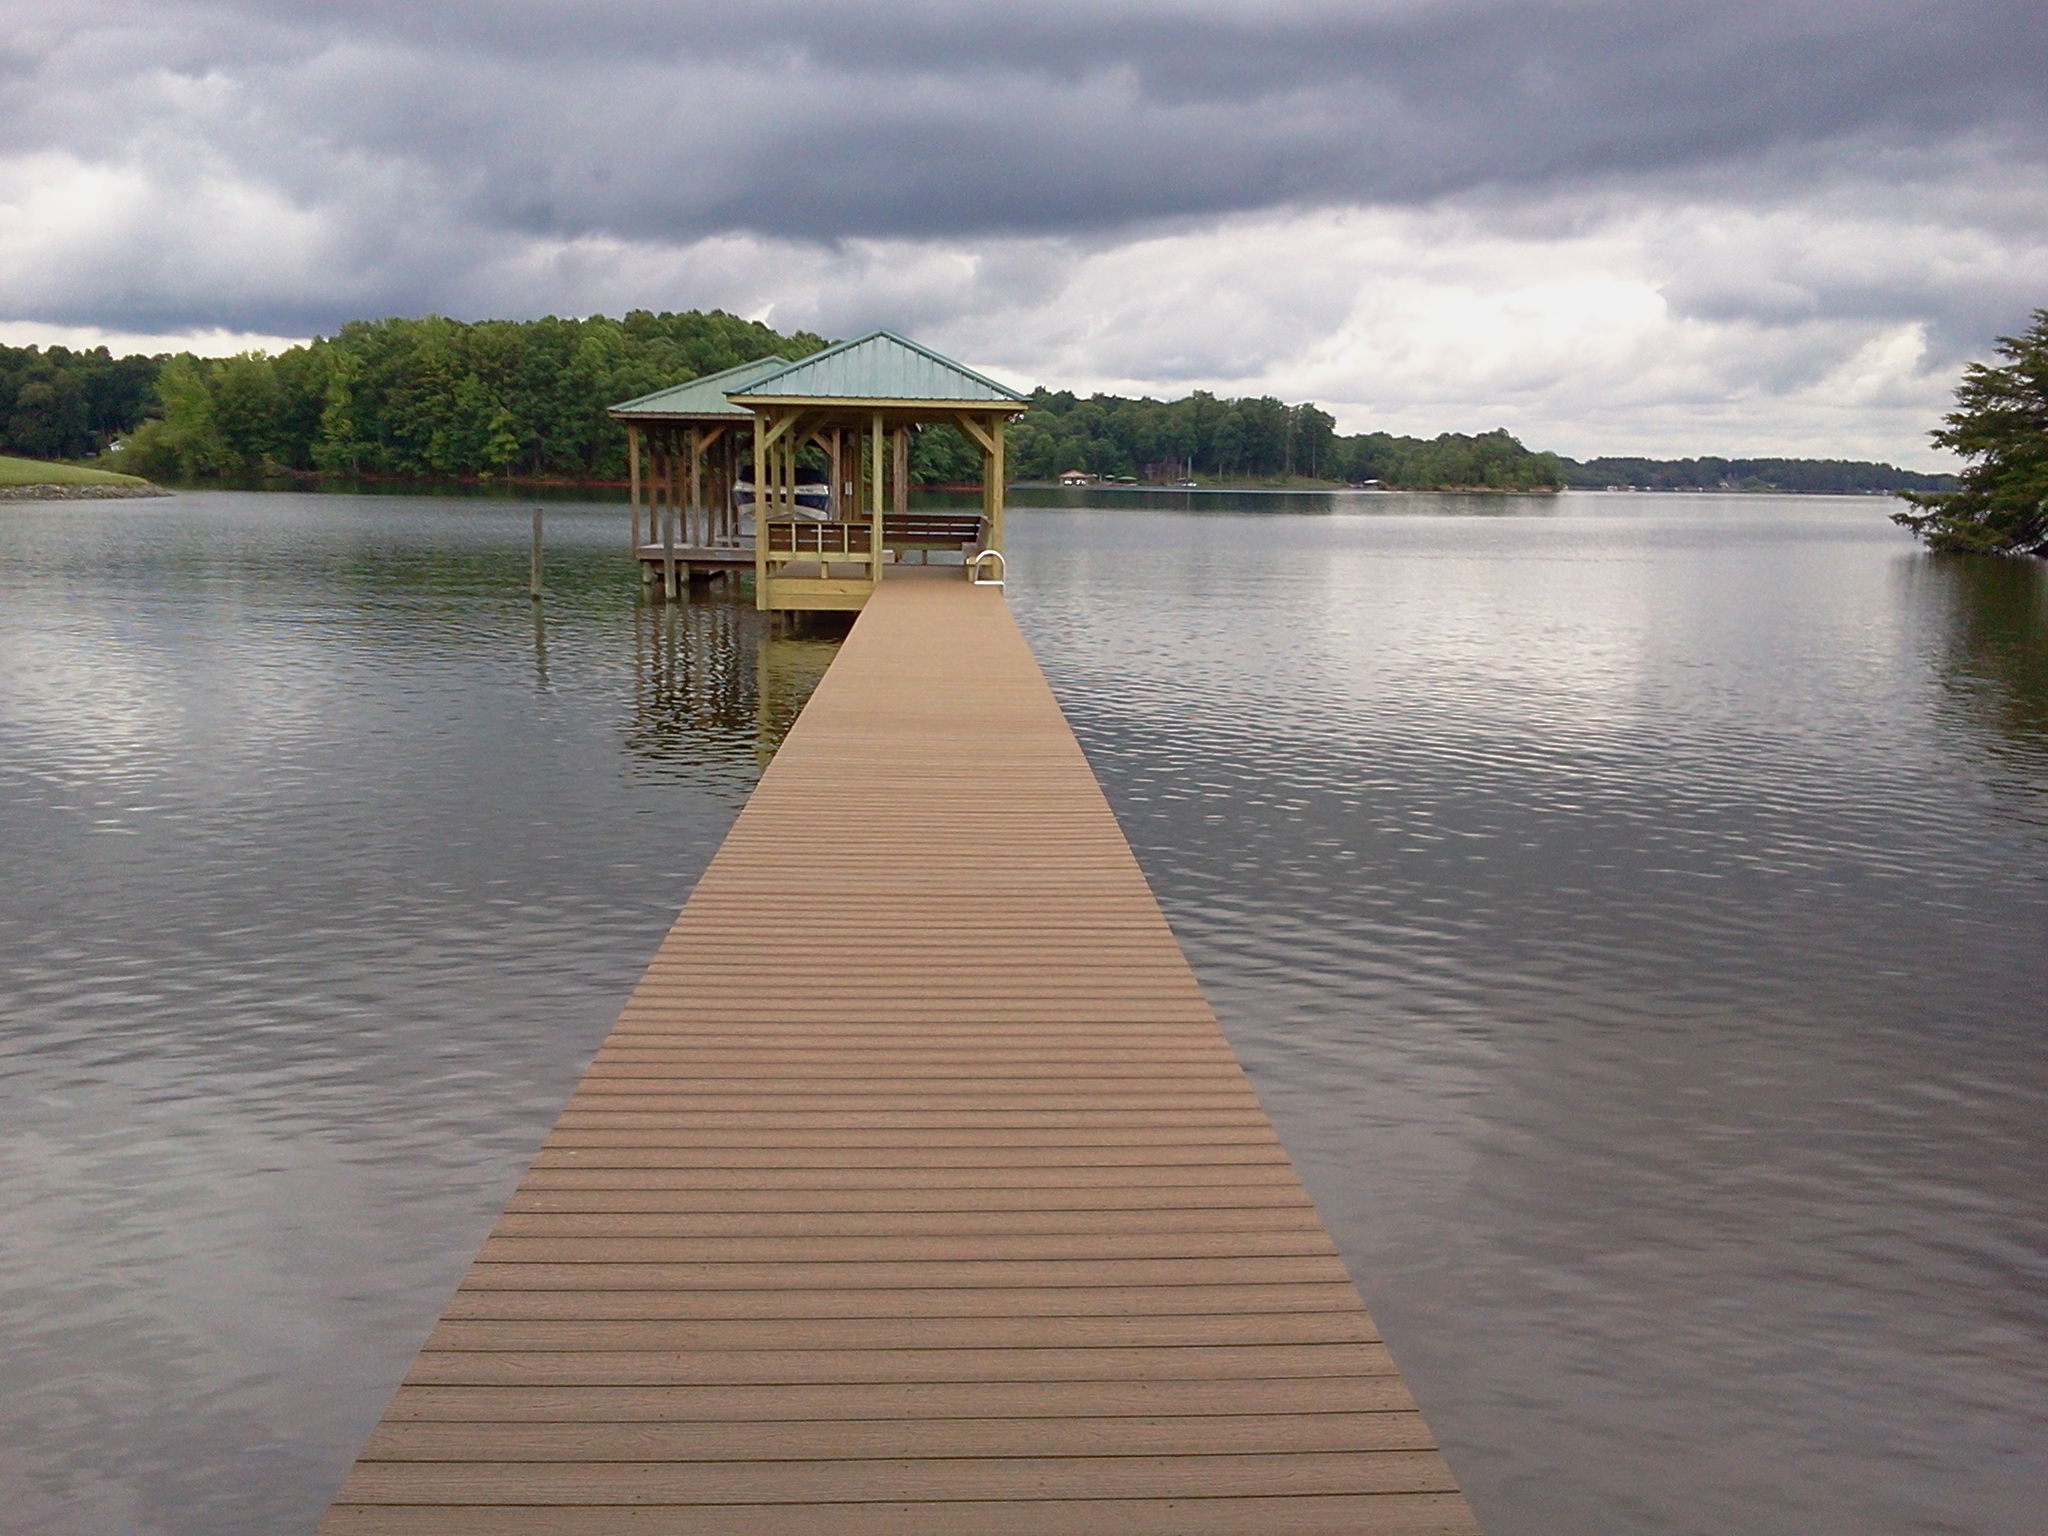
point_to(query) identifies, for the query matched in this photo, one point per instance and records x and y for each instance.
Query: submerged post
(533, 576)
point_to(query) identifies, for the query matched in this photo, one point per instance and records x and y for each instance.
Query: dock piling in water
(533, 588)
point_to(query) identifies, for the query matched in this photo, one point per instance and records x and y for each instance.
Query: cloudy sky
(1663, 226)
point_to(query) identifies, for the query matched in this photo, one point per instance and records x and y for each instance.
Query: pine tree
(2001, 422)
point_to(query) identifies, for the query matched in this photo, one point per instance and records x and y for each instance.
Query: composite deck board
(915, 1190)
(934, 1305)
(901, 1333)
(863, 1439)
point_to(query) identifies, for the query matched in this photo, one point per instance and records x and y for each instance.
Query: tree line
(440, 399)
(62, 404)
(1830, 476)
(433, 399)
(1256, 439)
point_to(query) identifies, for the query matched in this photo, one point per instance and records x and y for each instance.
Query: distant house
(1076, 477)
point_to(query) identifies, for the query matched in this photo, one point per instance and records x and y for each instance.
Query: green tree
(184, 440)
(337, 446)
(245, 400)
(2000, 422)
(61, 404)
(50, 418)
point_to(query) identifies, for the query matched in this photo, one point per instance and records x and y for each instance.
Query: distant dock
(916, 1191)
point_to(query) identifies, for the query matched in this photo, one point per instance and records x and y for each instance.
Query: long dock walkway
(916, 1191)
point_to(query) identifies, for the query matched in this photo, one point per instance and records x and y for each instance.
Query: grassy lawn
(36, 472)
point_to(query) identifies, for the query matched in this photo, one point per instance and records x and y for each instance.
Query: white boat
(813, 498)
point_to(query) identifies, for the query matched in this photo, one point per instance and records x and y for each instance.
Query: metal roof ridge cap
(889, 402)
(904, 341)
(941, 358)
(803, 362)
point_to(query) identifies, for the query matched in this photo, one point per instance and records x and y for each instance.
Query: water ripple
(1631, 910)
(329, 861)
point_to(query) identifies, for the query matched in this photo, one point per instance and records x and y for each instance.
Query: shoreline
(514, 489)
(54, 491)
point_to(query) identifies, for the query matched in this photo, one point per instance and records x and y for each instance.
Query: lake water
(1630, 908)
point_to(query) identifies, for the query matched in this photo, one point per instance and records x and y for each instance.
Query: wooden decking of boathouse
(916, 1190)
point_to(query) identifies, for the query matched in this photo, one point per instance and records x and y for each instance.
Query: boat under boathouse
(801, 472)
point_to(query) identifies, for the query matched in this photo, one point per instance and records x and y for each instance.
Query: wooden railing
(827, 543)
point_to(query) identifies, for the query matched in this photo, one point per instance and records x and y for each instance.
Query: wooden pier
(916, 1190)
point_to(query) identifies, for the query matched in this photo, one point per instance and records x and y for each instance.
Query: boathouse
(683, 455)
(802, 471)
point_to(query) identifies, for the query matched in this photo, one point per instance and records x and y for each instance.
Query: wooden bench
(926, 531)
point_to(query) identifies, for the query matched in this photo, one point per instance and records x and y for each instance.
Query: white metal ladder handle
(974, 568)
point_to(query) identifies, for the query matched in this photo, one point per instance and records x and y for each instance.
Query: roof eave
(625, 413)
(642, 406)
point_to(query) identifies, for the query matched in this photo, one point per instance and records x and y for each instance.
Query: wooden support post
(633, 469)
(989, 439)
(875, 511)
(718, 493)
(533, 574)
(668, 553)
(760, 522)
(651, 475)
(998, 476)
(899, 496)
(697, 533)
(734, 459)
(674, 484)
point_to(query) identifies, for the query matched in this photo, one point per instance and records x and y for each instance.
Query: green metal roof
(705, 396)
(883, 366)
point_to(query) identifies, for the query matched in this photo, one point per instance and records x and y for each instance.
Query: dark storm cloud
(279, 167)
(673, 121)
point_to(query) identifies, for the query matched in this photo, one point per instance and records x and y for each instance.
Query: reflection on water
(789, 669)
(1991, 649)
(1630, 908)
(329, 858)
(714, 681)
(1632, 915)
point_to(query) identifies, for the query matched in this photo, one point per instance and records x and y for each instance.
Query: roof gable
(881, 366)
(704, 396)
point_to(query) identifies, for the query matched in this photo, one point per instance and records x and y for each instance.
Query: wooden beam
(782, 424)
(974, 431)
